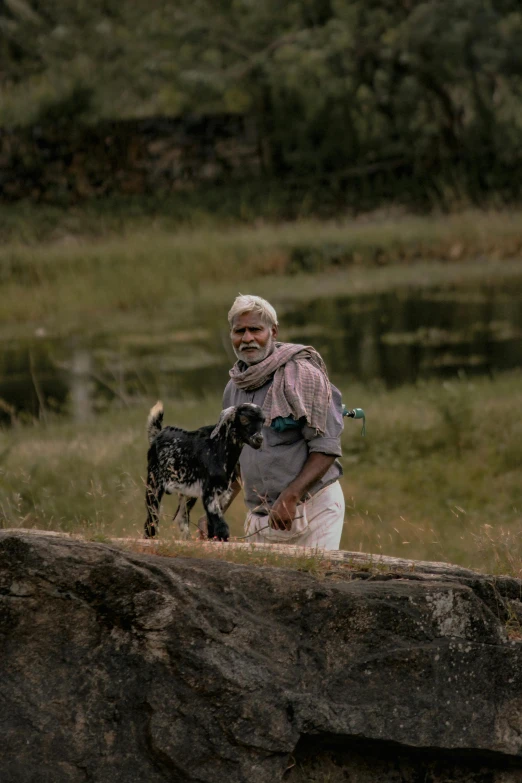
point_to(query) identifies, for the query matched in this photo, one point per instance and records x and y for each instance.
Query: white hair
(252, 304)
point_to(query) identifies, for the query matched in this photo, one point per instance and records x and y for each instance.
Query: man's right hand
(283, 511)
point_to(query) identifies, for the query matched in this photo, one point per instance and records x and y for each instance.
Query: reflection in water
(81, 385)
(402, 336)
(397, 337)
(29, 382)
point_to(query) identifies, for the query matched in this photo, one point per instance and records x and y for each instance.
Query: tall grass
(78, 281)
(437, 477)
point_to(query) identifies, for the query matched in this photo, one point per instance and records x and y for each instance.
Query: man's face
(252, 339)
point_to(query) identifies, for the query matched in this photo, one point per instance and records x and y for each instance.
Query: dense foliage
(389, 95)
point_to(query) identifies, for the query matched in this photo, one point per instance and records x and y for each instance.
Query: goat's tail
(155, 421)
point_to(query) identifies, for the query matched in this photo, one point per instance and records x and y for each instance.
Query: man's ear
(274, 331)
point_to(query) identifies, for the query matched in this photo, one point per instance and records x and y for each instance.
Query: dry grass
(85, 282)
(436, 478)
(316, 563)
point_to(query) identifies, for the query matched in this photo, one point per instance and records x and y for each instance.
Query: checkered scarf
(300, 387)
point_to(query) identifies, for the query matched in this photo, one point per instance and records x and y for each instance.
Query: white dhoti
(318, 522)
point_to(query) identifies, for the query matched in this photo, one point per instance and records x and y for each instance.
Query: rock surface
(122, 667)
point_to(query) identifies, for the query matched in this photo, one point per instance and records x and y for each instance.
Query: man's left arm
(322, 453)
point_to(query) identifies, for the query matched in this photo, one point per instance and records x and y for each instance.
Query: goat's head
(247, 421)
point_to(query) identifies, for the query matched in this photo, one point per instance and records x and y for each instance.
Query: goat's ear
(226, 418)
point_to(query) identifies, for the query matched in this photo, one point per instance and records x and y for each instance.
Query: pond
(395, 337)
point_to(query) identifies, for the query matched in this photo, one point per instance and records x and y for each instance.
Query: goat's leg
(217, 527)
(153, 495)
(182, 514)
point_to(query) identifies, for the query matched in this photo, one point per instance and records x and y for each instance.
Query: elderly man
(291, 484)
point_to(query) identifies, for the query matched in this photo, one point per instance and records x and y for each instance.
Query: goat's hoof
(150, 531)
(223, 534)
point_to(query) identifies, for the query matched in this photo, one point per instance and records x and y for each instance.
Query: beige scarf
(300, 388)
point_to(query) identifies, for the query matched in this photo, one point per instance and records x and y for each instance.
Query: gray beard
(269, 347)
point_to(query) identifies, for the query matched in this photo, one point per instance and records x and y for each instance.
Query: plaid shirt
(299, 384)
(267, 472)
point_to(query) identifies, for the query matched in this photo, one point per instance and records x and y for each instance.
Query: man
(291, 484)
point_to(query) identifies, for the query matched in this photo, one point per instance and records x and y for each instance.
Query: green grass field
(135, 270)
(436, 478)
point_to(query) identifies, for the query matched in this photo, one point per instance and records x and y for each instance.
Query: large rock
(121, 667)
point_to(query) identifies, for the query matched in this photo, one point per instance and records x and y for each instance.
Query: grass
(436, 478)
(138, 268)
(316, 563)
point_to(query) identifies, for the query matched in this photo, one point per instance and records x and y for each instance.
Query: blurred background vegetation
(356, 162)
(350, 101)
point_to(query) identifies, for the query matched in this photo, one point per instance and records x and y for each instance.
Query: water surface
(395, 337)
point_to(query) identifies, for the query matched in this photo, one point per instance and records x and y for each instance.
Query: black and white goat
(199, 464)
